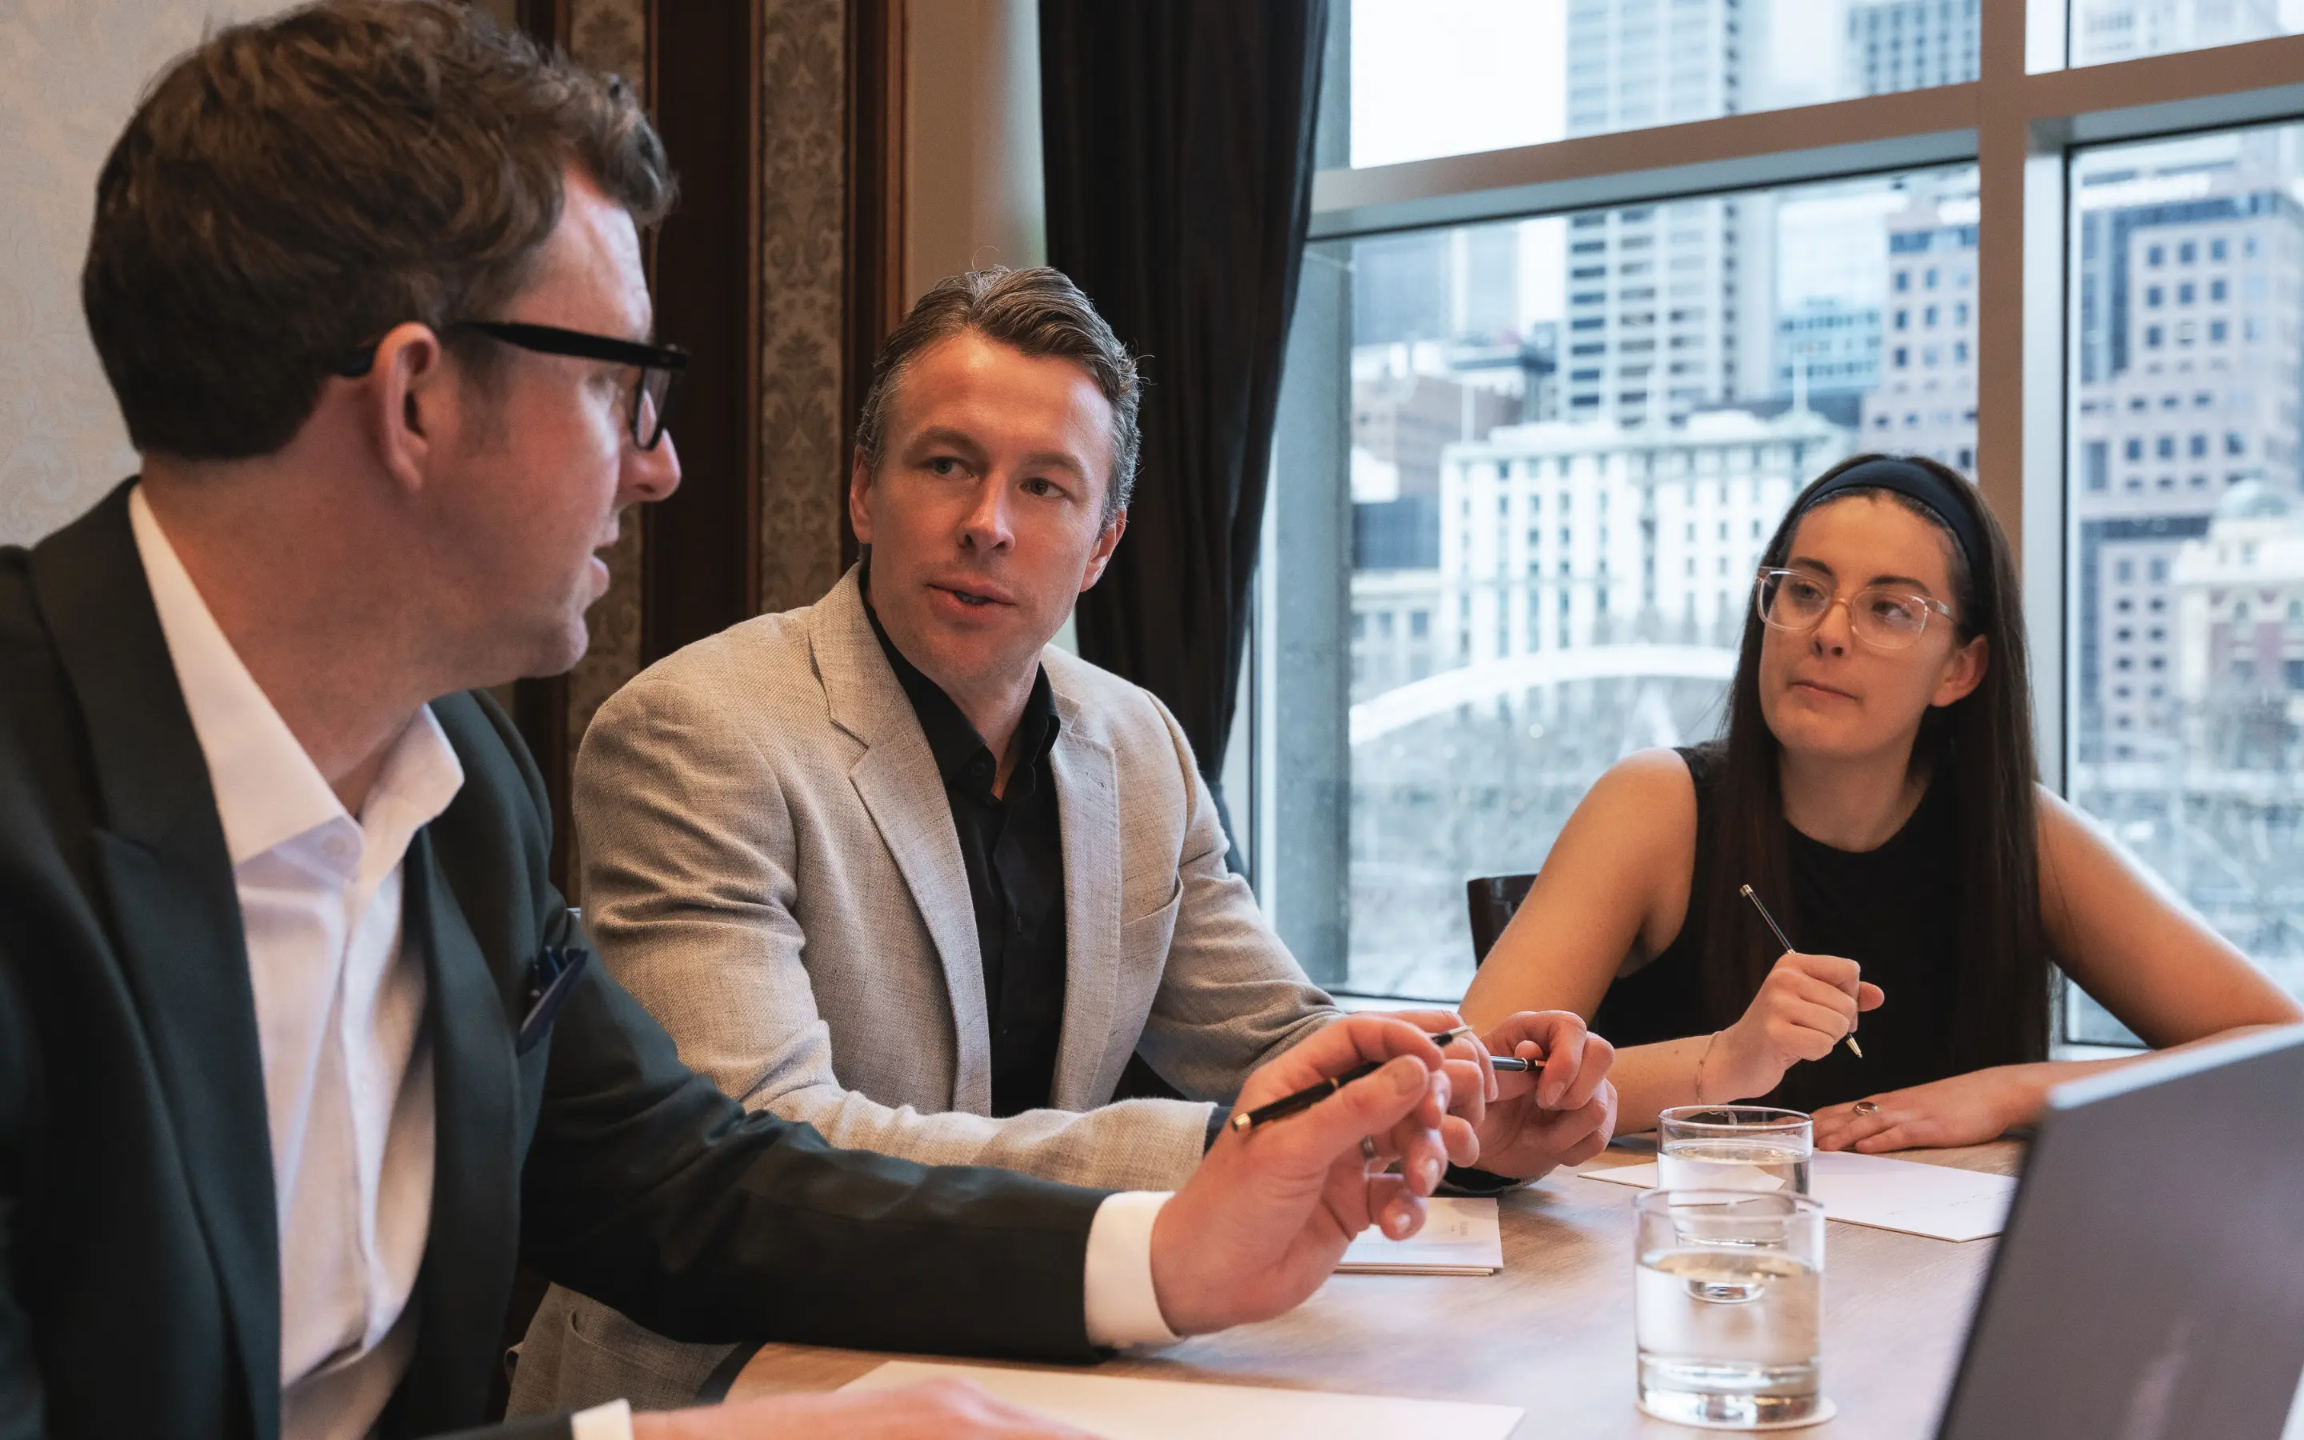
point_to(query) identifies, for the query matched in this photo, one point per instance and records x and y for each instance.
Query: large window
(1551, 389)
(2186, 560)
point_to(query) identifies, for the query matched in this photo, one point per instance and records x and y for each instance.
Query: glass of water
(1726, 1306)
(1734, 1147)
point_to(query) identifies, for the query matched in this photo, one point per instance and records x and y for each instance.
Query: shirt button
(335, 847)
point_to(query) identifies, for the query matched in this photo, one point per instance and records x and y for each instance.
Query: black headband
(1934, 493)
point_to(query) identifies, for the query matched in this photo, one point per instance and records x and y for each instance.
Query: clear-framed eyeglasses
(1881, 616)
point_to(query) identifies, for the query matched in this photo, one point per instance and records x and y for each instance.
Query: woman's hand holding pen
(1807, 1005)
(1263, 1220)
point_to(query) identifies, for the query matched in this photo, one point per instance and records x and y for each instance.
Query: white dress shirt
(346, 1054)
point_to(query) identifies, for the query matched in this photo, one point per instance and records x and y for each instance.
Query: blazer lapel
(475, 1231)
(1090, 1060)
(902, 789)
(175, 914)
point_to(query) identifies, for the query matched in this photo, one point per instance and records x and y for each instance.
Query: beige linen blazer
(771, 867)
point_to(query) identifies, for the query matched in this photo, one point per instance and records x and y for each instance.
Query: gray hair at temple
(1038, 311)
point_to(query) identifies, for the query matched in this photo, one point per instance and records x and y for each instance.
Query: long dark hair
(1980, 746)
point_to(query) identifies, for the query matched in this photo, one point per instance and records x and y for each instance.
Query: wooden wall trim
(699, 562)
(874, 291)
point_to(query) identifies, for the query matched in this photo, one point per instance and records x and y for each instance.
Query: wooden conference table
(1553, 1333)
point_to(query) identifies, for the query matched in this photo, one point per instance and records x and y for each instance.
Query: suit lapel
(175, 914)
(1089, 1062)
(469, 1254)
(904, 792)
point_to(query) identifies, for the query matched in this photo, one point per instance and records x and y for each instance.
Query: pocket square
(551, 978)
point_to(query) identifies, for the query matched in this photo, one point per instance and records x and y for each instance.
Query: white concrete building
(1559, 536)
(2240, 603)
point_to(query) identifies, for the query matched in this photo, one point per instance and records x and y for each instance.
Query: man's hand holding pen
(1264, 1219)
(1262, 1222)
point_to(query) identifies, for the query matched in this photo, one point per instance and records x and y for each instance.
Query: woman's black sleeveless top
(1895, 911)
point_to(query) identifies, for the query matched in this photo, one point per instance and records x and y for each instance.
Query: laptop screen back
(2150, 1285)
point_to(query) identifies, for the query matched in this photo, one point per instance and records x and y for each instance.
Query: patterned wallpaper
(70, 73)
(610, 35)
(803, 109)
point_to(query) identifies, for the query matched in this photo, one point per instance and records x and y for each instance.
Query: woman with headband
(1876, 789)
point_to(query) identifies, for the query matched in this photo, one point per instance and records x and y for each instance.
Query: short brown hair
(1038, 311)
(293, 188)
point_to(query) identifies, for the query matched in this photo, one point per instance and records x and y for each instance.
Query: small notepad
(1460, 1237)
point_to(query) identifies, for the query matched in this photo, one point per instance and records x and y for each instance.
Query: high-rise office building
(1910, 45)
(1926, 400)
(1827, 346)
(2192, 377)
(2105, 30)
(1660, 314)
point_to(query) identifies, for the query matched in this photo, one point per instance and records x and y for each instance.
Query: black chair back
(1492, 899)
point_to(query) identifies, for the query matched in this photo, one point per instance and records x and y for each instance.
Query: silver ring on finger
(1866, 1107)
(1368, 1149)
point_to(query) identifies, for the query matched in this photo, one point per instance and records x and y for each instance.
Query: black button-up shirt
(1013, 848)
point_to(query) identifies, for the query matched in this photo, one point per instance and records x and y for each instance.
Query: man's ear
(1101, 556)
(1964, 672)
(409, 394)
(859, 493)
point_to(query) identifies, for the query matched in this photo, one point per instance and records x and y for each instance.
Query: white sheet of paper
(1461, 1236)
(1124, 1409)
(1885, 1193)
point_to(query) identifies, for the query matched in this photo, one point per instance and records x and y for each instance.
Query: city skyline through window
(1555, 443)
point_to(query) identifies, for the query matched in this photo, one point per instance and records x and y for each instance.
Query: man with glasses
(300, 1052)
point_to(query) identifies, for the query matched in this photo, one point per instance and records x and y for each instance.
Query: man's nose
(650, 475)
(986, 526)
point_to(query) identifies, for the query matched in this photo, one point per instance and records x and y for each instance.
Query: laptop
(2150, 1284)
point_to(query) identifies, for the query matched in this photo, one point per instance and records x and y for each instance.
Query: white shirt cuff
(1122, 1307)
(612, 1421)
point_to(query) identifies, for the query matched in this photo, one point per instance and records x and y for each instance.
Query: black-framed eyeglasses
(1884, 618)
(658, 367)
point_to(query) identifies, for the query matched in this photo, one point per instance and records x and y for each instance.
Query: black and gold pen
(1312, 1095)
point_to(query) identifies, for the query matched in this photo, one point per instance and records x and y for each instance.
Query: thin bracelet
(1700, 1065)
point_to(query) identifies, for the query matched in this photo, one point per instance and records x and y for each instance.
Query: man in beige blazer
(895, 866)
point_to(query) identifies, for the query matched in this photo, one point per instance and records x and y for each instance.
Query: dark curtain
(1179, 151)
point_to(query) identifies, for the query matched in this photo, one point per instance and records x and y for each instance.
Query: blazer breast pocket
(1146, 938)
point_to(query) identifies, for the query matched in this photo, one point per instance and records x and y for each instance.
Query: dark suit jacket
(139, 1265)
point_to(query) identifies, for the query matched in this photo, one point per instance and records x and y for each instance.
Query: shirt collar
(267, 789)
(951, 738)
